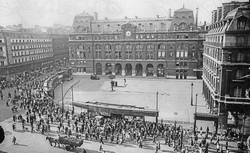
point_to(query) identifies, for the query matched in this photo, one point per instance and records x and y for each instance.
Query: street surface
(174, 105)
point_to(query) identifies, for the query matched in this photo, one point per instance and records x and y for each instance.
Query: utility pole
(62, 98)
(195, 114)
(156, 119)
(192, 94)
(72, 93)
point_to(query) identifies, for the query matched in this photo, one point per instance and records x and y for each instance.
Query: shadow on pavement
(19, 144)
(128, 145)
(90, 151)
(109, 144)
(20, 131)
(2, 151)
(148, 147)
(167, 151)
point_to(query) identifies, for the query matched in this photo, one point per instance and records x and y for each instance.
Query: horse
(52, 140)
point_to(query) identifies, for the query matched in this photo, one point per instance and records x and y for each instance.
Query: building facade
(226, 62)
(161, 46)
(60, 43)
(22, 53)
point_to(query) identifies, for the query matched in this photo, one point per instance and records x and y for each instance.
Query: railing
(217, 44)
(237, 99)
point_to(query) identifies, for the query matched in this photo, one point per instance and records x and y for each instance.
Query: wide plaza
(174, 96)
(174, 104)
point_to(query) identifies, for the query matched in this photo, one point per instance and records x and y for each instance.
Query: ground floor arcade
(26, 69)
(136, 68)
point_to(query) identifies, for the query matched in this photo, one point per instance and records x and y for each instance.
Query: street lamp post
(181, 136)
(195, 113)
(62, 98)
(192, 93)
(156, 119)
(244, 118)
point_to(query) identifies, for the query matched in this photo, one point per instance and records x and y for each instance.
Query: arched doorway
(160, 70)
(118, 69)
(128, 69)
(138, 69)
(149, 70)
(108, 68)
(99, 69)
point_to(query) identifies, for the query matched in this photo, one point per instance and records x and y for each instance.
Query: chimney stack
(136, 17)
(196, 19)
(125, 17)
(95, 16)
(214, 16)
(157, 16)
(169, 13)
(219, 13)
(106, 18)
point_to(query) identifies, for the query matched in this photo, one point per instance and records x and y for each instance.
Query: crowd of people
(41, 112)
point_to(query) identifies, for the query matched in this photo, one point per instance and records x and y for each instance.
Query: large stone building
(23, 52)
(162, 46)
(60, 43)
(226, 63)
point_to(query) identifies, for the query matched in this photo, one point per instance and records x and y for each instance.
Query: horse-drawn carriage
(69, 142)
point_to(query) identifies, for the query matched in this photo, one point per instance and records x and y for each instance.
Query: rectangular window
(163, 54)
(181, 63)
(177, 63)
(159, 54)
(181, 54)
(177, 54)
(186, 54)
(185, 63)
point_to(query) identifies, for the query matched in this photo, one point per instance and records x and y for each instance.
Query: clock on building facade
(128, 30)
(128, 33)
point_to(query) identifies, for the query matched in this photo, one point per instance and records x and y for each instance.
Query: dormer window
(241, 23)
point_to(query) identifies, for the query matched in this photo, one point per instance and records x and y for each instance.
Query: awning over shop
(127, 110)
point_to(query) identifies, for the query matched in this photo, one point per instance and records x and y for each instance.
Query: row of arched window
(129, 47)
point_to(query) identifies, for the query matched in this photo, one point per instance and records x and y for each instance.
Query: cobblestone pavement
(173, 93)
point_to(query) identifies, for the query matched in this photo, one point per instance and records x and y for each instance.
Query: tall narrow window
(241, 41)
(237, 91)
(239, 73)
(240, 57)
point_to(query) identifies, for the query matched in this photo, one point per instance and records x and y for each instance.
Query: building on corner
(226, 65)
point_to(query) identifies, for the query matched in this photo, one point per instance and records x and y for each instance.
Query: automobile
(94, 77)
(69, 78)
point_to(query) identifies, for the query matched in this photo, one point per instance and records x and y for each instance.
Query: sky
(49, 12)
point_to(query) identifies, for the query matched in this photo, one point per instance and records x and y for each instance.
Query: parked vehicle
(94, 77)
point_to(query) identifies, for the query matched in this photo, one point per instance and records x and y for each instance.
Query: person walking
(14, 140)
(140, 143)
(101, 140)
(124, 82)
(101, 148)
(156, 148)
(1, 96)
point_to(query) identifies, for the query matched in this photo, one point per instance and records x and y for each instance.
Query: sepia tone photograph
(124, 76)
